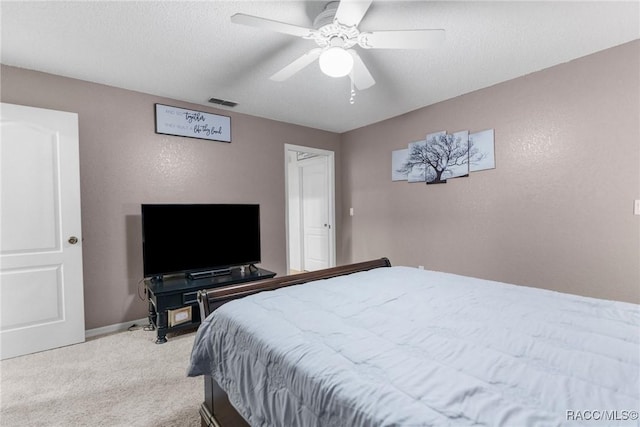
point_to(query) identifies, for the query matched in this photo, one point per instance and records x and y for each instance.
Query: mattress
(400, 346)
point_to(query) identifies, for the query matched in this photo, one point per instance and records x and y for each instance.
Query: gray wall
(123, 163)
(557, 212)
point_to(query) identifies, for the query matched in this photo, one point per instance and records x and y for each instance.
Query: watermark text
(602, 415)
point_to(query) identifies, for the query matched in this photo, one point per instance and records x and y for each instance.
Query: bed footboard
(216, 410)
(210, 299)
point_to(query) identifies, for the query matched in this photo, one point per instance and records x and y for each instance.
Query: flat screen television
(199, 238)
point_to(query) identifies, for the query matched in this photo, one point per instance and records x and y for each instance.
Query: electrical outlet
(421, 267)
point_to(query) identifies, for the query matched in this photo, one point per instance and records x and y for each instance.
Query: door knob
(73, 240)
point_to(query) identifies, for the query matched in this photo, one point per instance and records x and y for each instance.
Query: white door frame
(332, 196)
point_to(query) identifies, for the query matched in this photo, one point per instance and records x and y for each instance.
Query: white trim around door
(298, 246)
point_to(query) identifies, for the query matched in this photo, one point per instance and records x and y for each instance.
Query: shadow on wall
(138, 308)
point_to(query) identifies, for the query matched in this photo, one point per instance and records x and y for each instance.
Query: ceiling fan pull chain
(352, 100)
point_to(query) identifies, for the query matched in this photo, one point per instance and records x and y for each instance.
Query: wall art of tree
(483, 156)
(438, 156)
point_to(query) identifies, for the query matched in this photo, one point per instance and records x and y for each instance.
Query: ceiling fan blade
(350, 12)
(281, 27)
(360, 75)
(402, 39)
(297, 65)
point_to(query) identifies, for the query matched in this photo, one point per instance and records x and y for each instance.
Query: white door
(314, 187)
(41, 289)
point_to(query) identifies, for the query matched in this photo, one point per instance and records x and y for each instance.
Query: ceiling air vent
(223, 102)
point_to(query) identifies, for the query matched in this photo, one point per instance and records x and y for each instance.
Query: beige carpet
(123, 379)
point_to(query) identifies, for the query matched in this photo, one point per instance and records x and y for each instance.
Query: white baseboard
(118, 327)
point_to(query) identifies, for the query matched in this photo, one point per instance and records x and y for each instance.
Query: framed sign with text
(193, 124)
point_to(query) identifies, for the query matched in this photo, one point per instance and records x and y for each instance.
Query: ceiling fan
(336, 34)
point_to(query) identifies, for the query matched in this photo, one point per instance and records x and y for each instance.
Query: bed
(374, 345)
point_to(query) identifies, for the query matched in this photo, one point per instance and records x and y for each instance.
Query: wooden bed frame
(216, 410)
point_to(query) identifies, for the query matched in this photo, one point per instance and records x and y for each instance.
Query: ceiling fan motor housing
(331, 33)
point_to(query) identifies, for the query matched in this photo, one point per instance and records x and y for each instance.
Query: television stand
(173, 302)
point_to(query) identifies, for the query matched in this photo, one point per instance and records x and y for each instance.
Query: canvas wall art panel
(481, 151)
(398, 159)
(454, 155)
(415, 168)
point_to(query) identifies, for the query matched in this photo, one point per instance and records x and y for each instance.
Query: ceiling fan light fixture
(335, 62)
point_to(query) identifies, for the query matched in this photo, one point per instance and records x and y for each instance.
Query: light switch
(636, 207)
(350, 211)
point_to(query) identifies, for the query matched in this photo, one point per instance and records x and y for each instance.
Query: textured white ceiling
(191, 51)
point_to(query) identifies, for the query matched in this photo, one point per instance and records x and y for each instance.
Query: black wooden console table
(177, 296)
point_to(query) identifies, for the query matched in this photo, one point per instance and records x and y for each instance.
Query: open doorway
(310, 208)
